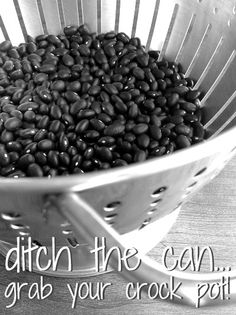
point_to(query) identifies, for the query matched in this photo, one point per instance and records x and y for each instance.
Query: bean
(159, 151)
(27, 106)
(5, 45)
(110, 89)
(27, 133)
(91, 135)
(176, 119)
(97, 124)
(115, 129)
(192, 95)
(41, 158)
(4, 157)
(140, 156)
(63, 142)
(173, 99)
(6, 136)
(47, 68)
(182, 129)
(34, 170)
(76, 161)
(64, 158)
(189, 107)
(25, 160)
(82, 126)
(12, 124)
(198, 131)
(53, 158)
(104, 154)
(155, 132)
(140, 128)
(183, 141)
(68, 60)
(45, 145)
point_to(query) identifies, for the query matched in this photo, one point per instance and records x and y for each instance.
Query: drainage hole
(192, 185)
(72, 241)
(145, 223)
(151, 211)
(10, 216)
(110, 217)
(112, 206)
(19, 226)
(154, 203)
(23, 233)
(158, 191)
(203, 170)
(67, 232)
(37, 243)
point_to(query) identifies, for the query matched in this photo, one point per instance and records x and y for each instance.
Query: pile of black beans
(80, 102)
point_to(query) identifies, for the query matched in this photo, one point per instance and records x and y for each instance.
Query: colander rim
(75, 182)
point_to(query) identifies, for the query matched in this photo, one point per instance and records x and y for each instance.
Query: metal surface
(200, 35)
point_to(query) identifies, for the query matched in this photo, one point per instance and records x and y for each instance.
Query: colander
(132, 206)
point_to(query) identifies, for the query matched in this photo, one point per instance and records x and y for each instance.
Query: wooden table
(208, 219)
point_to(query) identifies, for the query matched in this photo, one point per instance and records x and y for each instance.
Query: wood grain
(208, 219)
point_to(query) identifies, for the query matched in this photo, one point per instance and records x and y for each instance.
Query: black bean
(94, 90)
(34, 170)
(192, 95)
(45, 145)
(25, 160)
(14, 146)
(110, 89)
(155, 132)
(27, 133)
(64, 158)
(190, 118)
(104, 154)
(53, 158)
(6, 136)
(5, 45)
(172, 99)
(7, 170)
(4, 157)
(115, 129)
(12, 124)
(47, 68)
(198, 131)
(63, 142)
(189, 107)
(82, 126)
(91, 135)
(106, 141)
(68, 60)
(97, 124)
(143, 86)
(67, 119)
(76, 161)
(70, 30)
(183, 141)
(159, 151)
(41, 158)
(143, 141)
(44, 122)
(182, 129)
(27, 106)
(140, 128)
(140, 156)
(88, 153)
(17, 174)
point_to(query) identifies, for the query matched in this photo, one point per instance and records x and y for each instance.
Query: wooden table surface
(208, 219)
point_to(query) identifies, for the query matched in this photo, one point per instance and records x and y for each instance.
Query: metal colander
(135, 205)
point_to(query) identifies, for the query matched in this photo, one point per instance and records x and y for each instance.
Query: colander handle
(88, 222)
